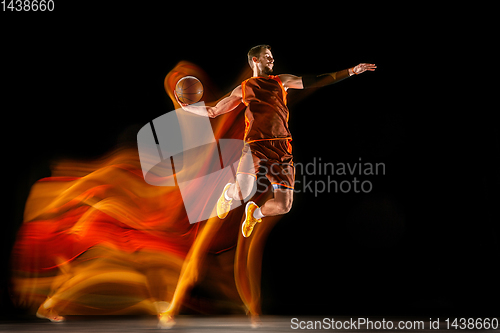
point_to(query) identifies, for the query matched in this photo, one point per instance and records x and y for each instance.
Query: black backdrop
(423, 241)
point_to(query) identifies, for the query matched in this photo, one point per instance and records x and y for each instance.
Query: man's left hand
(361, 68)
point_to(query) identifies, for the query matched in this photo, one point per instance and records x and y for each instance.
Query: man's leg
(243, 186)
(280, 204)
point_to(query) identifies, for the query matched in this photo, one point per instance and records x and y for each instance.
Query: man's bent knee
(244, 187)
(285, 205)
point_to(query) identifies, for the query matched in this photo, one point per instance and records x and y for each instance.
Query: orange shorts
(271, 157)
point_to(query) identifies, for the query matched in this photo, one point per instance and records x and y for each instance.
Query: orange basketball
(189, 90)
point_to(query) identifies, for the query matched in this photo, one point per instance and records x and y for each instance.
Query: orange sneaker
(223, 205)
(250, 221)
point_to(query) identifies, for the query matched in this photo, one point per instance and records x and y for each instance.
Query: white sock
(225, 195)
(257, 213)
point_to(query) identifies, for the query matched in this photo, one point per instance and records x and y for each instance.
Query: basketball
(189, 90)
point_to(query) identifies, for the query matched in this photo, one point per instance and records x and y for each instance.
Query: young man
(267, 135)
(267, 138)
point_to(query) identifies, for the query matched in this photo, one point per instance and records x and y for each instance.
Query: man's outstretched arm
(310, 81)
(225, 105)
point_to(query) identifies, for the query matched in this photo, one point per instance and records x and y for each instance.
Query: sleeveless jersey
(266, 116)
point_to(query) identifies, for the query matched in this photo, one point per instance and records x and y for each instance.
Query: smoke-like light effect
(98, 239)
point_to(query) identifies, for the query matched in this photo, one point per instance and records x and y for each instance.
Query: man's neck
(256, 73)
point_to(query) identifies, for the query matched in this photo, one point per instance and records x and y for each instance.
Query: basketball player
(267, 135)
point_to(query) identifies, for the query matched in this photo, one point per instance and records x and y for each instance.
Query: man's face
(265, 62)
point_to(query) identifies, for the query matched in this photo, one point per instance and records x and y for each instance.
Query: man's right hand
(178, 101)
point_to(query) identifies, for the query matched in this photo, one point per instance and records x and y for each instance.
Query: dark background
(424, 241)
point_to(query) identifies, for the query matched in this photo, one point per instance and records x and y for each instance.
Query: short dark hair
(255, 52)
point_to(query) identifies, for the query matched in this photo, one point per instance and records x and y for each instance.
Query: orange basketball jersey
(266, 116)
